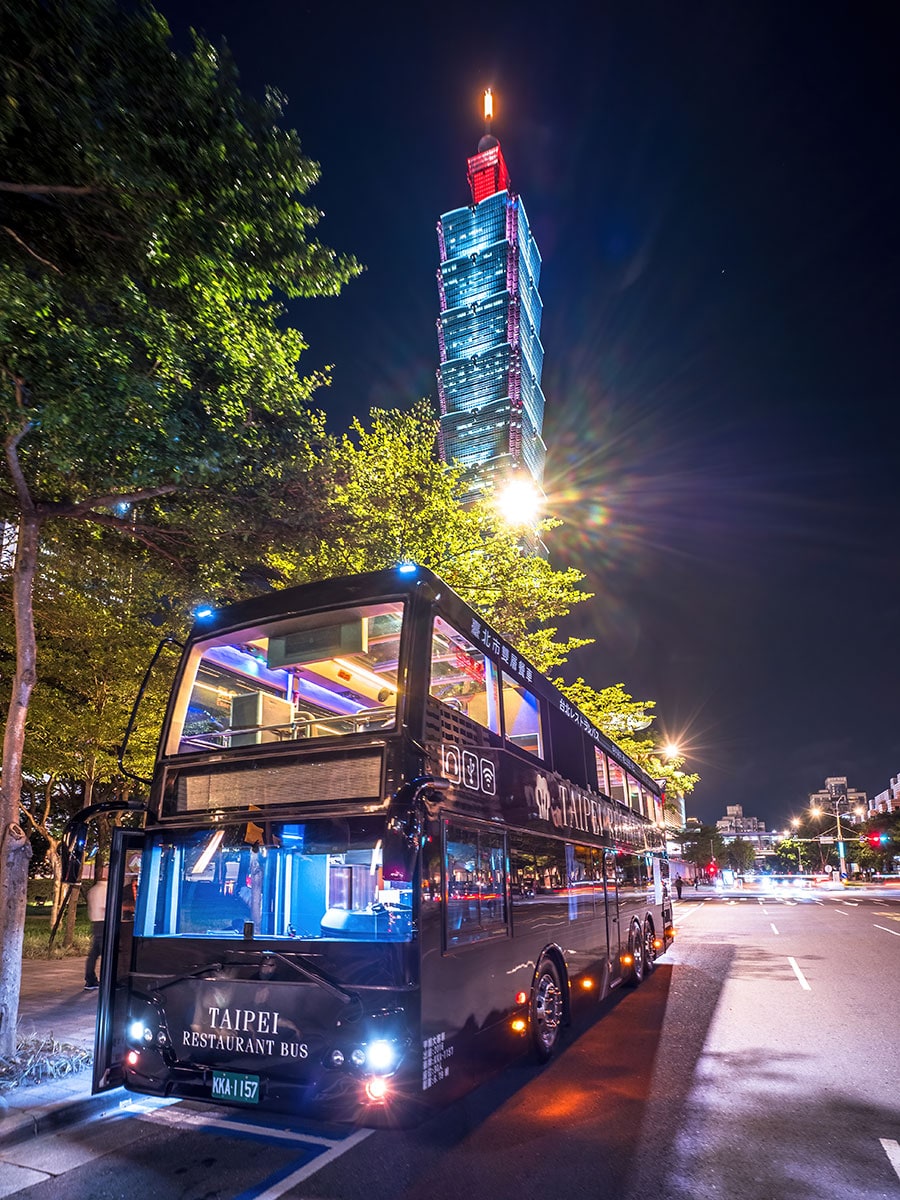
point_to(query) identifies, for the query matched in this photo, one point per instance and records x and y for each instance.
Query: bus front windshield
(312, 880)
(323, 675)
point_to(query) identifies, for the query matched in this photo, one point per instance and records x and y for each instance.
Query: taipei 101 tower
(489, 380)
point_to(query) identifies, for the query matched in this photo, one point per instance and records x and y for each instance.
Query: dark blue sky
(715, 192)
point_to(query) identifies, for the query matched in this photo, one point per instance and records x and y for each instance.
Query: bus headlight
(381, 1056)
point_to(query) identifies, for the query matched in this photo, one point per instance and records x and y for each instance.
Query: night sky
(715, 192)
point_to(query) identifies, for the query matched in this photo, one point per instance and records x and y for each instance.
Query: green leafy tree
(384, 497)
(740, 854)
(627, 721)
(152, 219)
(701, 844)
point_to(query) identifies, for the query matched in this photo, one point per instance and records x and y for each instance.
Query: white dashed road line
(774, 929)
(892, 1150)
(886, 930)
(801, 978)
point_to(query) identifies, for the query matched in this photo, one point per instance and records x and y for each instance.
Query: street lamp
(795, 825)
(818, 811)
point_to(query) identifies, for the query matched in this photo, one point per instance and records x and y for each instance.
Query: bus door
(611, 888)
(115, 965)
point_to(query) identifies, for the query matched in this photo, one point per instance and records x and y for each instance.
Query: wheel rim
(547, 1010)
(636, 947)
(649, 952)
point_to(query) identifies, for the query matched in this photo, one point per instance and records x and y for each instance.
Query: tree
(152, 216)
(701, 845)
(625, 720)
(384, 497)
(740, 854)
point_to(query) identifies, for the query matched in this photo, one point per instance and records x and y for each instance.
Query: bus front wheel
(546, 1010)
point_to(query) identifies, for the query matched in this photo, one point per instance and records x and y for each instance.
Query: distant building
(735, 823)
(887, 801)
(489, 380)
(836, 795)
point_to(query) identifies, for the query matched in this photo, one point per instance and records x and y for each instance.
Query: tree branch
(28, 250)
(11, 448)
(47, 189)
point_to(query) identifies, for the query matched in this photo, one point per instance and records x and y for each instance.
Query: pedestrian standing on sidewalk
(96, 907)
(679, 884)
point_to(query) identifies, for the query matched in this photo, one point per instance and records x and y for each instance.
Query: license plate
(236, 1089)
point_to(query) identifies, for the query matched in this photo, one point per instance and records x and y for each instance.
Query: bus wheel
(546, 1010)
(649, 952)
(636, 952)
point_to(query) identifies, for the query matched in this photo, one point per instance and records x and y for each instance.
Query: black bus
(382, 855)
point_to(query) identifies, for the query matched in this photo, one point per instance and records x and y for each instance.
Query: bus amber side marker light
(627, 960)
(657, 943)
(519, 1025)
(587, 984)
(377, 1089)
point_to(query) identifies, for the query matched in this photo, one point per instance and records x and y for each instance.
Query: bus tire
(546, 1010)
(649, 952)
(636, 954)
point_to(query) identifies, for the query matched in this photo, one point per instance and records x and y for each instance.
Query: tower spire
(487, 169)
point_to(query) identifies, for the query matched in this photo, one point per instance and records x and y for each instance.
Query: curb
(21, 1124)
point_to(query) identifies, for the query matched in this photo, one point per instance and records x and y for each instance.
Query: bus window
(463, 677)
(475, 880)
(581, 885)
(616, 782)
(602, 771)
(318, 879)
(635, 800)
(522, 716)
(302, 677)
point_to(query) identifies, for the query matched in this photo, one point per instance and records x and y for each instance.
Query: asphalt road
(760, 1061)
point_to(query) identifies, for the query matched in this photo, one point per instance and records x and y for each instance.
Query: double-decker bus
(382, 855)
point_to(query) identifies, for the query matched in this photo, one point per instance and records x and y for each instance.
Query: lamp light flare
(488, 105)
(518, 503)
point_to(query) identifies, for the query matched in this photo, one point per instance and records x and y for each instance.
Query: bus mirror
(74, 835)
(71, 851)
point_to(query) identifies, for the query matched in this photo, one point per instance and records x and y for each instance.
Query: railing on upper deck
(304, 725)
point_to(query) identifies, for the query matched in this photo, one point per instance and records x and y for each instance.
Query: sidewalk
(53, 1003)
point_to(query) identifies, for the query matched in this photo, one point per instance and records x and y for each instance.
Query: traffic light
(877, 840)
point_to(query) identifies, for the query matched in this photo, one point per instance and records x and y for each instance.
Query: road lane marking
(278, 1187)
(892, 1150)
(774, 930)
(886, 930)
(841, 914)
(800, 976)
(690, 912)
(852, 903)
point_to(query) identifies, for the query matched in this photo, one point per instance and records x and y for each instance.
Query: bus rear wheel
(546, 1010)
(636, 952)
(649, 949)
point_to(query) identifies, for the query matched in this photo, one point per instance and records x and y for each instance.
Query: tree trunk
(15, 852)
(13, 875)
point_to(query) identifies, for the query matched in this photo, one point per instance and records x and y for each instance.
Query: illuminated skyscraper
(489, 380)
